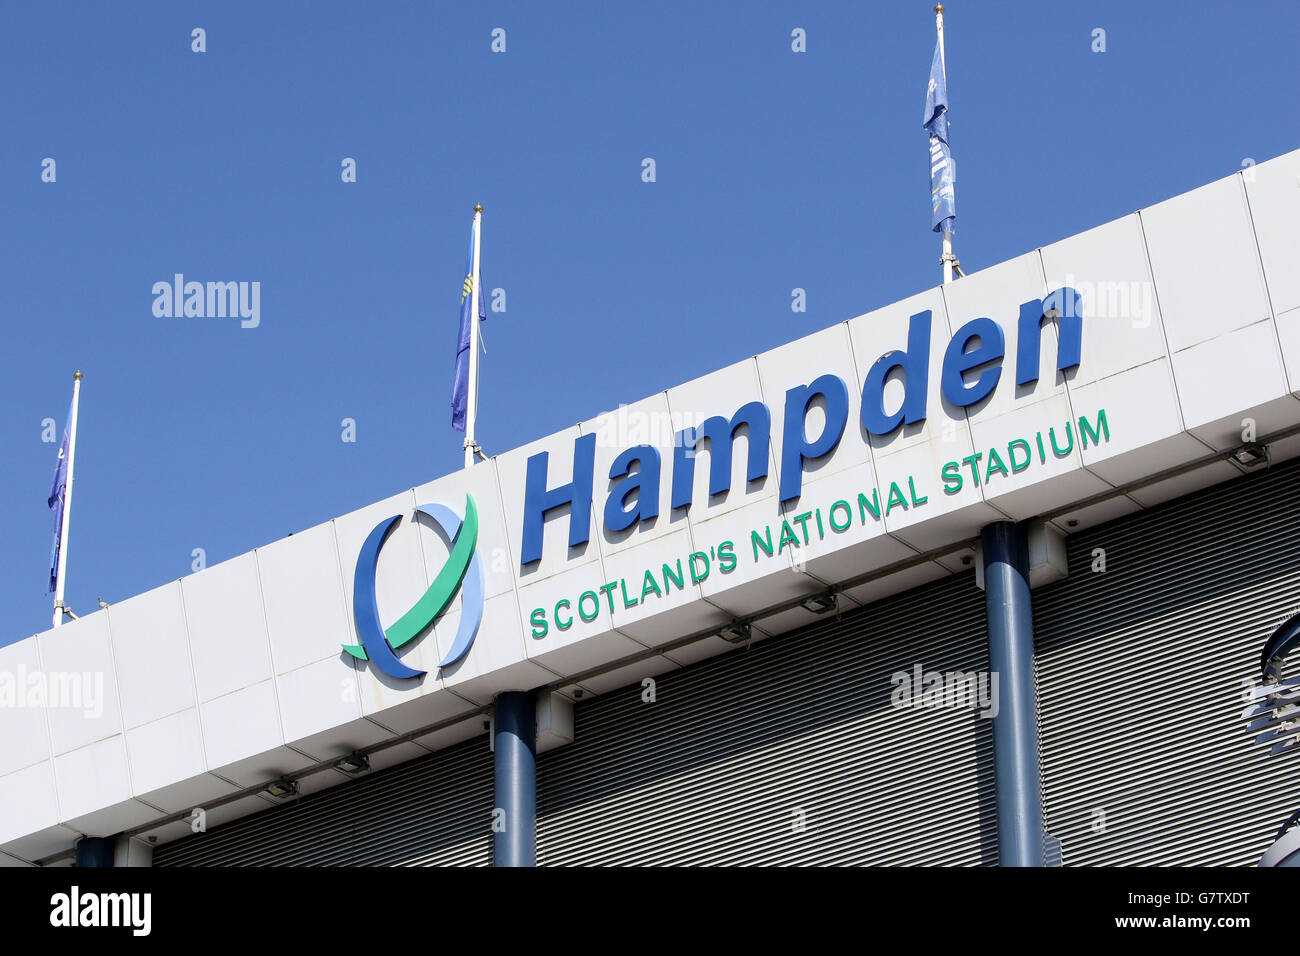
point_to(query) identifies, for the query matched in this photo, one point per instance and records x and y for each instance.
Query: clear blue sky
(775, 170)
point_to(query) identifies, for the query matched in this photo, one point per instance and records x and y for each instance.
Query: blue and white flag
(57, 490)
(460, 383)
(942, 173)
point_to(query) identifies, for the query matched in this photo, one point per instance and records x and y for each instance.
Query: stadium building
(981, 577)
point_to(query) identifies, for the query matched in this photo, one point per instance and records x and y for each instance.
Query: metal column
(1015, 726)
(514, 817)
(96, 851)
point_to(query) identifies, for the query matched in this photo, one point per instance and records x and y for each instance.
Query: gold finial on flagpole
(77, 375)
(478, 207)
(938, 8)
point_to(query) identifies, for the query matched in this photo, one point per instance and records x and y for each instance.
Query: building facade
(978, 578)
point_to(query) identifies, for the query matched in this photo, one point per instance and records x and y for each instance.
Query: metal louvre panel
(433, 811)
(1141, 674)
(714, 771)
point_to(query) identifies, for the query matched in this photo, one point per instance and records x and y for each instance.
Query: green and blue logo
(463, 572)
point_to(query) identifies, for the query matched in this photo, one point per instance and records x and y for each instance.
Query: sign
(977, 349)
(462, 572)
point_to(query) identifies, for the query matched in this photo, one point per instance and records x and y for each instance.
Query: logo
(463, 572)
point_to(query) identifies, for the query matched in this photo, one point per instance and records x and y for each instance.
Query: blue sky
(775, 170)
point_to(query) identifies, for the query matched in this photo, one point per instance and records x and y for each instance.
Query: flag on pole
(460, 383)
(942, 173)
(57, 490)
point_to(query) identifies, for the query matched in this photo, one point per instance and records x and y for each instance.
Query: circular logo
(462, 572)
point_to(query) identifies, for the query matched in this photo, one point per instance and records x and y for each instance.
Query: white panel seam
(524, 628)
(353, 664)
(1065, 381)
(1263, 276)
(49, 735)
(194, 680)
(1164, 331)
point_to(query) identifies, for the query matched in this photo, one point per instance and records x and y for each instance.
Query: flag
(460, 382)
(57, 489)
(942, 173)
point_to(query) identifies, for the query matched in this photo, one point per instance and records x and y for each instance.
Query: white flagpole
(947, 256)
(471, 392)
(60, 580)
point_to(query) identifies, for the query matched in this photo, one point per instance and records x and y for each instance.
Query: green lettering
(609, 594)
(677, 579)
(1085, 430)
(727, 550)
(1011, 453)
(911, 486)
(1069, 433)
(951, 472)
(995, 464)
(538, 620)
(787, 537)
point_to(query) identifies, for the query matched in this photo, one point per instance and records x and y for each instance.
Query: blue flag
(942, 172)
(460, 382)
(57, 489)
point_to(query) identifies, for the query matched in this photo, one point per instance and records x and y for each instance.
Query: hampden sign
(971, 369)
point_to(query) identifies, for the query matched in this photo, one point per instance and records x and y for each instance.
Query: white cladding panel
(155, 676)
(302, 589)
(1208, 279)
(23, 729)
(1273, 190)
(81, 647)
(227, 627)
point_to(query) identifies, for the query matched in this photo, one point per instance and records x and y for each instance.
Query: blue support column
(1015, 726)
(514, 841)
(95, 851)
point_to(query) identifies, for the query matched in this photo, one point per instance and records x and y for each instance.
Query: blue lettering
(795, 446)
(721, 434)
(914, 363)
(979, 346)
(960, 358)
(1068, 308)
(539, 501)
(644, 482)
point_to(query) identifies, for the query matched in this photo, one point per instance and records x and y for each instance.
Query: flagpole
(471, 391)
(67, 502)
(947, 257)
